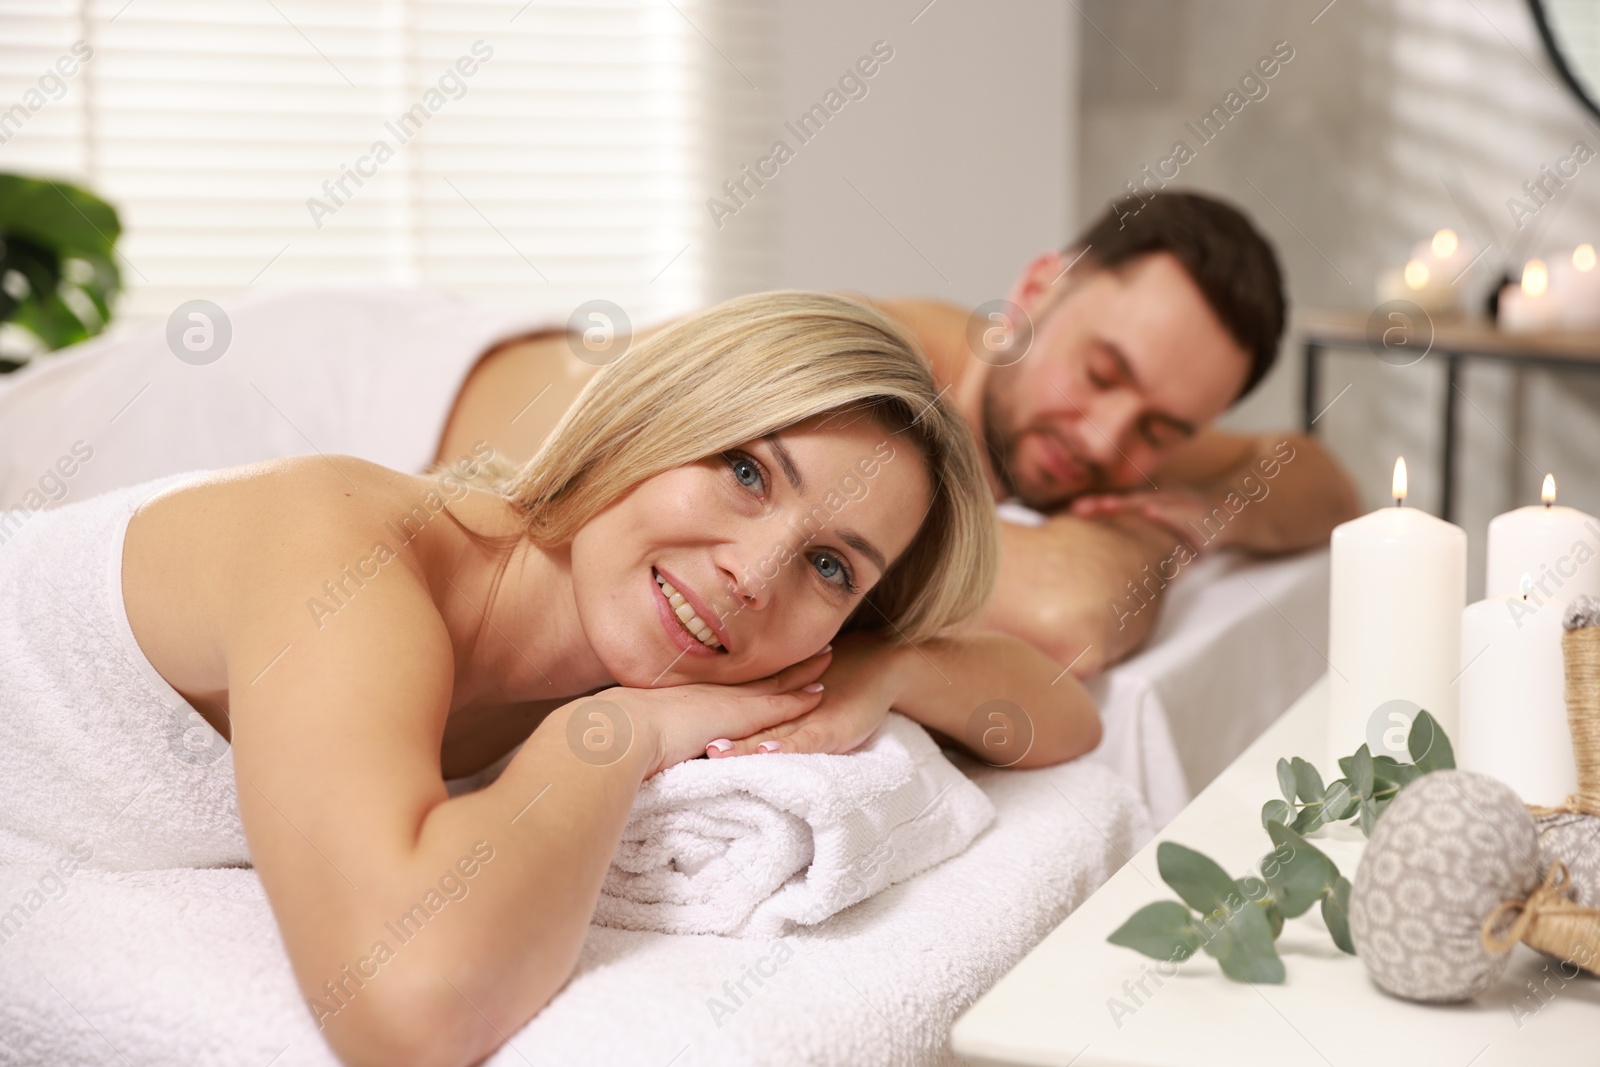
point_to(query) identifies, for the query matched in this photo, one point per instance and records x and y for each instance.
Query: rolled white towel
(750, 846)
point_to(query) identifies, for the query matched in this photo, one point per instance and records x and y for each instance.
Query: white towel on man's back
(749, 846)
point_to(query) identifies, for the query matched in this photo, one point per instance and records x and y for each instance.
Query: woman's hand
(680, 722)
(861, 683)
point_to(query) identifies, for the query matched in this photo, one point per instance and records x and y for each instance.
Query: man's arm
(1083, 591)
(1267, 494)
(1085, 588)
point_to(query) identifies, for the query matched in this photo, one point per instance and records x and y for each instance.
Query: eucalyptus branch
(1238, 921)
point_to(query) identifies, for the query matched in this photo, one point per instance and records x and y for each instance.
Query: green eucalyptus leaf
(1163, 931)
(1275, 811)
(1389, 773)
(1309, 819)
(1274, 918)
(1307, 782)
(1429, 747)
(1339, 802)
(1202, 884)
(1346, 763)
(1242, 944)
(1336, 914)
(1369, 815)
(1299, 874)
(1361, 777)
(1286, 780)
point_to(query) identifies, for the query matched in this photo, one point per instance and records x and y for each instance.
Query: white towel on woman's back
(749, 846)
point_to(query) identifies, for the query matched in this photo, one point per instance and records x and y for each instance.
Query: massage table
(187, 966)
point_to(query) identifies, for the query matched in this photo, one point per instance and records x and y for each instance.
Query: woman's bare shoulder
(271, 548)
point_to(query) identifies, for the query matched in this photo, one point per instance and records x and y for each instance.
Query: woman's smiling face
(738, 565)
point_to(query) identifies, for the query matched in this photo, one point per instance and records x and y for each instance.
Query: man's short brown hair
(1234, 267)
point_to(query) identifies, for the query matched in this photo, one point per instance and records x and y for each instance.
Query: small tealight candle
(1428, 277)
(1530, 307)
(1398, 586)
(1577, 282)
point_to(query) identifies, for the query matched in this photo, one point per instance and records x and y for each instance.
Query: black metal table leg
(1309, 386)
(1447, 465)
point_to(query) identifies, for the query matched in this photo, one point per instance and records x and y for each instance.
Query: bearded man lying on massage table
(1095, 402)
(1146, 329)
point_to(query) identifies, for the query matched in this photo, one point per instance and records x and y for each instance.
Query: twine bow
(1549, 898)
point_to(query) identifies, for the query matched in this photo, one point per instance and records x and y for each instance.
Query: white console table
(1056, 1007)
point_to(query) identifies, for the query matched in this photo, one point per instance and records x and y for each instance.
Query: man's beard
(1000, 441)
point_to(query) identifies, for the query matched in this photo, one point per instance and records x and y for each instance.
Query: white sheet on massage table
(188, 966)
(146, 957)
(1237, 642)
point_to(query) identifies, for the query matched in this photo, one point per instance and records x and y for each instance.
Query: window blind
(534, 154)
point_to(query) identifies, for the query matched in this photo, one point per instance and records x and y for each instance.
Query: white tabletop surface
(1056, 1006)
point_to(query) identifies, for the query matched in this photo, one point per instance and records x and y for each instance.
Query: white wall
(1395, 117)
(960, 156)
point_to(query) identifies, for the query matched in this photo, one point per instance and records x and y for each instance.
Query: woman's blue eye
(747, 473)
(833, 570)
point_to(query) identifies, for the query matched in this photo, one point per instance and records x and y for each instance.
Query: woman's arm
(423, 929)
(997, 696)
(993, 694)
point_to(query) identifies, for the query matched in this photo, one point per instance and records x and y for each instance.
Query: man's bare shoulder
(920, 315)
(1208, 454)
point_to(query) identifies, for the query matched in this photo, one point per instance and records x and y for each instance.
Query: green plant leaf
(1345, 763)
(1369, 815)
(1299, 879)
(1429, 747)
(1274, 917)
(1309, 819)
(1197, 878)
(1339, 802)
(1336, 914)
(1242, 944)
(1163, 931)
(1275, 811)
(58, 215)
(1286, 780)
(1361, 772)
(1387, 772)
(59, 239)
(1307, 782)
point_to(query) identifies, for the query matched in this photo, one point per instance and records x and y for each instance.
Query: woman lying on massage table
(662, 581)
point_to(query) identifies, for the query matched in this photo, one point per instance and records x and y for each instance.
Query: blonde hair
(750, 367)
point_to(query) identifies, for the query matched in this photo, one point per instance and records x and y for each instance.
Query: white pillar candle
(1398, 587)
(1513, 708)
(1556, 548)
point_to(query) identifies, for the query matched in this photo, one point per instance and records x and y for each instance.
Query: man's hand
(1181, 512)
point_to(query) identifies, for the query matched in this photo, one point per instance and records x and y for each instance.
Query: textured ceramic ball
(1449, 848)
(1574, 840)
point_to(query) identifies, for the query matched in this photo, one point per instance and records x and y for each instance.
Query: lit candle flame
(1583, 257)
(1400, 479)
(1445, 243)
(1548, 493)
(1535, 277)
(1416, 274)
